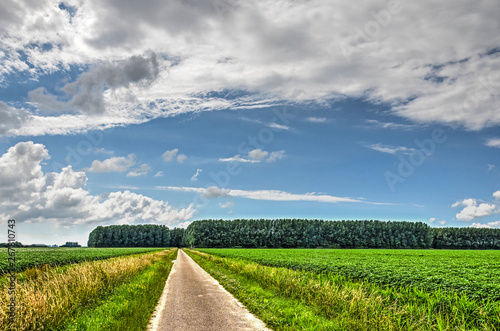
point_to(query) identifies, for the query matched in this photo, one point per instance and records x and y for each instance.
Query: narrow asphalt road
(194, 300)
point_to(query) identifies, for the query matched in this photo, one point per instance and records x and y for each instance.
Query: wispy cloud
(313, 119)
(391, 149)
(255, 156)
(143, 170)
(390, 125)
(493, 142)
(194, 178)
(270, 195)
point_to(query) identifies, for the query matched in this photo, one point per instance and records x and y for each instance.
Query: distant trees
(291, 233)
(144, 235)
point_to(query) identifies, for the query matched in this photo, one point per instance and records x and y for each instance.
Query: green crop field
(32, 257)
(476, 273)
(362, 289)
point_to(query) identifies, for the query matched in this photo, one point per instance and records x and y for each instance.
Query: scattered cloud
(432, 220)
(493, 142)
(313, 119)
(143, 170)
(228, 204)
(170, 155)
(491, 167)
(255, 156)
(390, 125)
(113, 164)
(194, 178)
(86, 94)
(391, 149)
(473, 210)
(28, 194)
(159, 174)
(103, 151)
(496, 195)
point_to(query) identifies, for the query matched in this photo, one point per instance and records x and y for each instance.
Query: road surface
(194, 300)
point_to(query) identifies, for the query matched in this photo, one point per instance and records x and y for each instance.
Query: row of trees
(148, 235)
(291, 233)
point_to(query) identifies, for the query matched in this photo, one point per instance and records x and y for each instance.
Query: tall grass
(358, 305)
(46, 297)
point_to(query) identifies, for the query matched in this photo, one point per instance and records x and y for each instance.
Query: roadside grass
(337, 303)
(128, 307)
(47, 297)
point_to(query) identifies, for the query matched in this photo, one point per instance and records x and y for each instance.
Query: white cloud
(278, 155)
(159, 174)
(391, 149)
(493, 142)
(255, 156)
(271, 48)
(491, 167)
(103, 151)
(11, 118)
(113, 164)
(27, 194)
(496, 195)
(194, 178)
(432, 220)
(143, 170)
(170, 155)
(313, 119)
(390, 125)
(480, 225)
(228, 204)
(270, 195)
(473, 210)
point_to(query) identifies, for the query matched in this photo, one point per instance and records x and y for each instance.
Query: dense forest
(148, 235)
(291, 233)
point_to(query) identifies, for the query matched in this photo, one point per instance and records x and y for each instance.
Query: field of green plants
(98, 293)
(475, 273)
(362, 289)
(32, 257)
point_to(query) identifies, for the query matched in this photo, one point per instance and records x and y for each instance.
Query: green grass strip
(129, 306)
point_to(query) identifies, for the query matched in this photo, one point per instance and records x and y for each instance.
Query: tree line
(294, 233)
(143, 235)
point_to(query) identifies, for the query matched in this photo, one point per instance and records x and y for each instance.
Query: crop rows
(475, 273)
(32, 257)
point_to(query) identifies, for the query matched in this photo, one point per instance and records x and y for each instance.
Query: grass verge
(128, 307)
(331, 302)
(48, 297)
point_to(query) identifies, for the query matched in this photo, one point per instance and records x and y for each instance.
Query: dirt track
(194, 300)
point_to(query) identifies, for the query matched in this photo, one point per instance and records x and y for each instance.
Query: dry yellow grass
(47, 296)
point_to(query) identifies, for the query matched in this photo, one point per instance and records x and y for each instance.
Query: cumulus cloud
(86, 94)
(493, 142)
(255, 156)
(473, 210)
(113, 164)
(27, 194)
(11, 118)
(170, 155)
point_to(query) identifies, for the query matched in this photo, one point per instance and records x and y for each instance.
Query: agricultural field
(32, 257)
(334, 289)
(475, 273)
(115, 293)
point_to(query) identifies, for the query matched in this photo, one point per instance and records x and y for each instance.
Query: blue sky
(247, 110)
